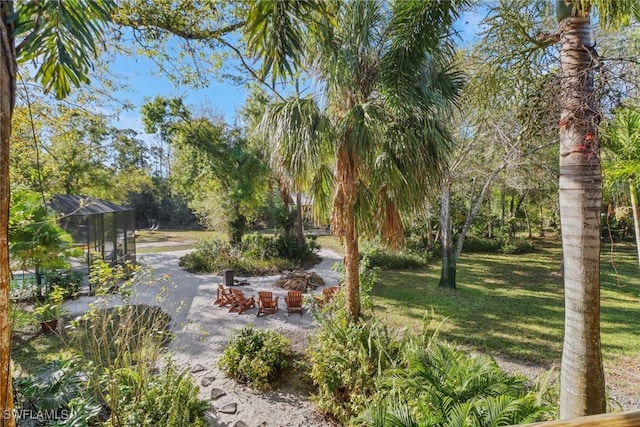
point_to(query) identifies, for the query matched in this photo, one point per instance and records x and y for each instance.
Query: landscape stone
(197, 368)
(230, 408)
(206, 381)
(217, 393)
(240, 423)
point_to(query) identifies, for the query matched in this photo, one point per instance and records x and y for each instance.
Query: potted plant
(49, 311)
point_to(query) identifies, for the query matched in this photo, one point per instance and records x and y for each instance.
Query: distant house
(103, 229)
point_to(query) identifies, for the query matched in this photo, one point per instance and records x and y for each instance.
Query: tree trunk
(448, 273)
(582, 377)
(299, 223)
(636, 215)
(7, 101)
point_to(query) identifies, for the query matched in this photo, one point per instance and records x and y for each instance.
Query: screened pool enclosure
(103, 229)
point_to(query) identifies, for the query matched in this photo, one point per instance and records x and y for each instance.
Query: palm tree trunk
(582, 376)
(636, 215)
(7, 102)
(299, 223)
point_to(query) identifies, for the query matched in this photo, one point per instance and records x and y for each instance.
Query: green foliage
(51, 307)
(346, 357)
(505, 246)
(517, 247)
(58, 386)
(438, 385)
(169, 398)
(61, 36)
(69, 280)
(479, 244)
(254, 356)
(388, 259)
(256, 255)
(35, 238)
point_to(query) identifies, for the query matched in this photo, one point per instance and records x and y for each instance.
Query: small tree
(35, 240)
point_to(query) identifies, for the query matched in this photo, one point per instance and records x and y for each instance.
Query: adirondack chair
(327, 294)
(223, 297)
(294, 302)
(266, 303)
(240, 302)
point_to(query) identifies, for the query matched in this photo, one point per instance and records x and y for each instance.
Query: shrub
(387, 259)
(69, 280)
(169, 398)
(479, 244)
(254, 356)
(257, 255)
(346, 358)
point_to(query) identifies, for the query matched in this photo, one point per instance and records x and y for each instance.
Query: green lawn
(513, 304)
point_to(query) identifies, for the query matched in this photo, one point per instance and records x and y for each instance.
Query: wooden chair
(294, 302)
(327, 294)
(223, 297)
(266, 303)
(240, 302)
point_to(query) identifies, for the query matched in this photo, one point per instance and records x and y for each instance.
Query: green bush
(257, 255)
(390, 260)
(169, 398)
(69, 280)
(480, 244)
(254, 356)
(346, 358)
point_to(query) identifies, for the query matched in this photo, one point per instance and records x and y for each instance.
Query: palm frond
(62, 36)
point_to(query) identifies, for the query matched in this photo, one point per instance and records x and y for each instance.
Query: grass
(513, 305)
(30, 348)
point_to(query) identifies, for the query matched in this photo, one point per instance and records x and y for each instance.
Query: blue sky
(144, 82)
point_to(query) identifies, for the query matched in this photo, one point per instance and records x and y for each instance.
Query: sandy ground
(202, 330)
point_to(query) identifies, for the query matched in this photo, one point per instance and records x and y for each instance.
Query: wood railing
(615, 419)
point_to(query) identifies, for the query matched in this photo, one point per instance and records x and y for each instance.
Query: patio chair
(223, 297)
(327, 294)
(266, 303)
(240, 302)
(294, 302)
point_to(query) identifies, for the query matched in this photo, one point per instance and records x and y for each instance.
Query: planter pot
(49, 326)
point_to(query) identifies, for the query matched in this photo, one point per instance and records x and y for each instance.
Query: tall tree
(298, 130)
(582, 382)
(62, 37)
(389, 83)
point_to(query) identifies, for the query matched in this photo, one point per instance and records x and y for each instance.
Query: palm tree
(61, 36)
(582, 376)
(388, 84)
(298, 133)
(622, 139)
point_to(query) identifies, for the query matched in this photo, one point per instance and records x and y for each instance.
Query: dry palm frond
(299, 280)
